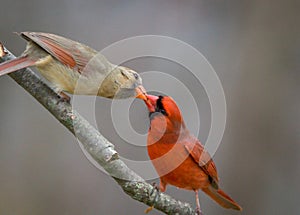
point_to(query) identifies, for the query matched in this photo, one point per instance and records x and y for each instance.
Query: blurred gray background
(253, 47)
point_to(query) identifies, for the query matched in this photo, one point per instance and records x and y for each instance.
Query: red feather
(178, 157)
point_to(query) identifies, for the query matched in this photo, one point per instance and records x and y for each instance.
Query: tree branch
(94, 143)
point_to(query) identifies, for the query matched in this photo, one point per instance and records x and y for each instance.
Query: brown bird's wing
(69, 52)
(203, 159)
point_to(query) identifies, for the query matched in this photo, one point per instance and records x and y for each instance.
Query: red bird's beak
(149, 100)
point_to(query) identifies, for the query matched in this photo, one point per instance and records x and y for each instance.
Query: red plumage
(178, 157)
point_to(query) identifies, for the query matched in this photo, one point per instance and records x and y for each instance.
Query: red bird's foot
(156, 197)
(157, 192)
(198, 211)
(155, 189)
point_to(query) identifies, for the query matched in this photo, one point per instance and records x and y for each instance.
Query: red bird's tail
(15, 64)
(222, 198)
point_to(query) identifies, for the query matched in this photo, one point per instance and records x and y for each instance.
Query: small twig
(95, 144)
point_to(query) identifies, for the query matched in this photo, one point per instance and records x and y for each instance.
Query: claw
(156, 197)
(63, 97)
(149, 209)
(198, 210)
(155, 188)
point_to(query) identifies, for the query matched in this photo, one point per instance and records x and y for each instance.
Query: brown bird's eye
(136, 76)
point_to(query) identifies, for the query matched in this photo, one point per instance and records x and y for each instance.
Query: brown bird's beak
(141, 93)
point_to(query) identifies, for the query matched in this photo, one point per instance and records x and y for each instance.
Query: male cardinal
(74, 67)
(178, 157)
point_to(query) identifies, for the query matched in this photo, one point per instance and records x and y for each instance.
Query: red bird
(178, 157)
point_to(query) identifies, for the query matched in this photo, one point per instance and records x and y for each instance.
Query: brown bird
(73, 67)
(178, 157)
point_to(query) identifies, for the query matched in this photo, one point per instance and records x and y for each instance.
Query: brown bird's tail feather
(15, 64)
(222, 198)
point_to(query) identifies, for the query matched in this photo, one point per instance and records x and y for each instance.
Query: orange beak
(149, 100)
(141, 93)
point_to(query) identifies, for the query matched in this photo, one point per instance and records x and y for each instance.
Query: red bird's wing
(68, 52)
(203, 159)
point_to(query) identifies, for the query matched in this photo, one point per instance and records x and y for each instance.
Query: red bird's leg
(157, 190)
(198, 209)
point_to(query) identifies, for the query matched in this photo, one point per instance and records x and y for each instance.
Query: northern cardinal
(73, 67)
(178, 157)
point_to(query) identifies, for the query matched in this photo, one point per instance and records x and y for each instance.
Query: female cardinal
(178, 157)
(73, 67)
